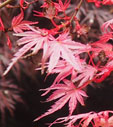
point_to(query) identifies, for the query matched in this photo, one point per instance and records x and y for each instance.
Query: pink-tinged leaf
(54, 87)
(104, 38)
(87, 120)
(107, 26)
(64, 93)
(18, 24)
(64, 45)
(101, 119)
(18, 55)
(32, 40)
(61, 7)
(17, 19)
(58, 105)
(88, 73)
(70, 121)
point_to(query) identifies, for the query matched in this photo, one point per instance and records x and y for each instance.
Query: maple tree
(77, 64)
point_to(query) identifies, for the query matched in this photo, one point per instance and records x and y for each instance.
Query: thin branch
(76, 10)
(5, 3)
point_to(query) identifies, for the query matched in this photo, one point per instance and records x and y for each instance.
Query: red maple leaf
(101, 119)
(64, 93)
(33, 41)
(61, 7)
(63, 69)
(18, 24)
(61, 47)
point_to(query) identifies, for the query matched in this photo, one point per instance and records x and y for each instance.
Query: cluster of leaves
(64, 55)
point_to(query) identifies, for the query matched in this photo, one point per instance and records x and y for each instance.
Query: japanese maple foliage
(101, 119)
(18, 25)
(77, 63)
(66, 92)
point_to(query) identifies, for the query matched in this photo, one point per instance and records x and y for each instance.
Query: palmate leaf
(32, 40)
(61, 47)
(70, 121)
(18, 24)
(93, 119)
(64, 93)
(63, 69)
(61, 7)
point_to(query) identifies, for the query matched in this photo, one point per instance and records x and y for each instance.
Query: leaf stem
(5, 3)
